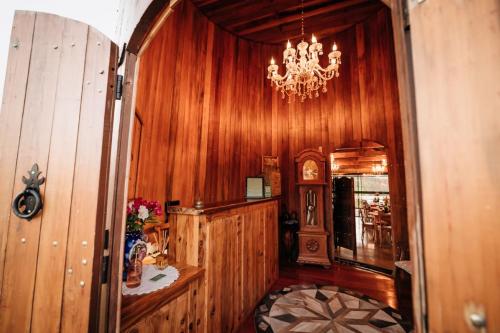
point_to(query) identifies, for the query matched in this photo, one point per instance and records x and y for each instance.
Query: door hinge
(105, 269)
(406, 15)
(106, 239)
(119, 87)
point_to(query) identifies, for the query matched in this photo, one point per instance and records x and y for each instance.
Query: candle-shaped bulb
(288, 45)
(313, 39)
(334, 47)
(272, 61)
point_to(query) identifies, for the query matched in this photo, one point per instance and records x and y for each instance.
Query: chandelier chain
(302, 18)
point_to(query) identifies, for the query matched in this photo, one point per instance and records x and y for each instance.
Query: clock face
(310, 170)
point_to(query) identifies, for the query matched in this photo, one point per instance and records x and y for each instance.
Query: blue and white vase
(134, 242)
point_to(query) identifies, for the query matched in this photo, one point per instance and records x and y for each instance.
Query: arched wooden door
(57, 110)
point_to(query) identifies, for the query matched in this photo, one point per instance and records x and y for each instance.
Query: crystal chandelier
(334, 167)
(380, 168)
(304, 76)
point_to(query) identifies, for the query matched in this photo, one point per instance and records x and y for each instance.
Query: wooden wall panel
(362, 104)
(210, 114)
(206, 111)
(238, 248)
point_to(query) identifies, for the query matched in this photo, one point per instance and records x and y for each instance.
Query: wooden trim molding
(149, 24)
(121, 186)
(404, 67)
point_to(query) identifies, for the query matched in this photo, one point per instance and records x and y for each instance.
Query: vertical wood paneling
(18, 282)
(92, 157)
(11, 116)
(60, 175)
(206, 111)
(210, 113)
(238, 248)
(362, 104)
(66, 122)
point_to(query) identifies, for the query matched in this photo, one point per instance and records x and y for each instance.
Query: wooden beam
(322, 26)
(296, 17)
(323, 33)
(236, 23)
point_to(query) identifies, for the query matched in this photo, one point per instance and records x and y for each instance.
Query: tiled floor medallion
(328, 309)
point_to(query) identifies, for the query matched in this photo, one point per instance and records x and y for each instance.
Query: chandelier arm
(323, 76)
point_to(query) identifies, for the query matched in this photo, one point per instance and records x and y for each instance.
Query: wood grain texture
(238, 248)
(35, 133)
(62, 126)
(151, 309)
(362, 104)
(404, 69)
(59, 187)
(458, 129)
(205, 111)
(209, 113)
(122, 171)
(11, 116)
(91, 171)
(276, 21)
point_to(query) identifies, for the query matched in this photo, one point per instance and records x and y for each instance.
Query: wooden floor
(370, 254)
(367, 251)
(375, 285)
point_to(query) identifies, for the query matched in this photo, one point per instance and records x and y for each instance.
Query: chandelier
(380, 168)
(334, 167)
(304, 75)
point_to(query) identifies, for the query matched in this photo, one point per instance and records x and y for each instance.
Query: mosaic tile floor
(328, 309)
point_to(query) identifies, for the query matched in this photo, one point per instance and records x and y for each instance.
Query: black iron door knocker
(29, 202)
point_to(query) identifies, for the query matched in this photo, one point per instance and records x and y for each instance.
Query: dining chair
(367, 222)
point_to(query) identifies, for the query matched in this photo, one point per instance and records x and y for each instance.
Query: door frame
(151, 20)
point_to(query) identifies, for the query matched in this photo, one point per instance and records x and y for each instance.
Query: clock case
(313, 238)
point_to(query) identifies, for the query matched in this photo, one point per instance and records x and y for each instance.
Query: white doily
(147, 286)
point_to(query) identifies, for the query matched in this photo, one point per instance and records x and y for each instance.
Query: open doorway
(361, 204)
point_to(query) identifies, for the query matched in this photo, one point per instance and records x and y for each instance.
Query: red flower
(137, 203)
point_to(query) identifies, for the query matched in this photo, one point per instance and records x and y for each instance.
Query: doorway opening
(361, 204)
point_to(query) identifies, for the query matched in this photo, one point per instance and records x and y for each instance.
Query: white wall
(103, 15)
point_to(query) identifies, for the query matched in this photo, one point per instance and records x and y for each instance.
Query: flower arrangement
(140, 212)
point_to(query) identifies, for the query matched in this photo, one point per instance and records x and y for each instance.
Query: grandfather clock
(311, 184)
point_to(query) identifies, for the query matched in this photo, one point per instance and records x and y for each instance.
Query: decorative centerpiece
(139, 213)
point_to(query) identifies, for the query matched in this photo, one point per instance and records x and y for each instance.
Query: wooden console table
(237, 245)
(171, 309)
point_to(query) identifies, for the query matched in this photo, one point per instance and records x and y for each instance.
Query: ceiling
(359, 160)
(276, 21)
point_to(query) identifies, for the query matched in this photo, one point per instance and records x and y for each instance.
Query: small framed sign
(255, 188)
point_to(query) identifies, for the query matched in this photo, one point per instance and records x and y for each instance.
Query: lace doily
(147, 286)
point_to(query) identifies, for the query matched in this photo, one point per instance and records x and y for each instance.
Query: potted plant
(139, 213)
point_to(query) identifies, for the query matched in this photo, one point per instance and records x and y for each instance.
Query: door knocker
(29, 202)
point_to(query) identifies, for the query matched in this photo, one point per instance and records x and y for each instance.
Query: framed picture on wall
(255, 188)
(271, 163)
